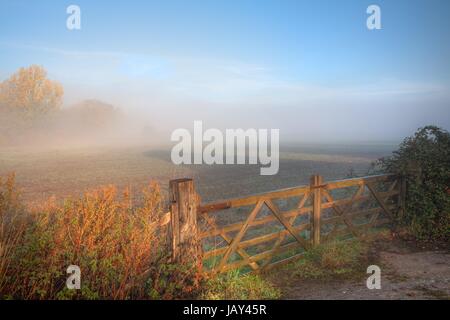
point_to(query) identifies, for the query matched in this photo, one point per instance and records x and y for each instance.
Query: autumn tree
(30, 93)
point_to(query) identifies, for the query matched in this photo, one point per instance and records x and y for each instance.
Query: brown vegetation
(114, 242)
(29, 93)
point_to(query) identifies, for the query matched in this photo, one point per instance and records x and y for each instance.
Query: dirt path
(407, 272)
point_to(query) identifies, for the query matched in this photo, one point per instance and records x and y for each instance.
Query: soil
(408, 271)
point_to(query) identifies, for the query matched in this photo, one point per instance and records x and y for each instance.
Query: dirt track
(407, 272)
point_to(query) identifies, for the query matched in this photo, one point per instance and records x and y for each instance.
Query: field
(63, 172)
(68, 172)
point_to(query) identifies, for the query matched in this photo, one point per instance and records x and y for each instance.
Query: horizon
(289, 65)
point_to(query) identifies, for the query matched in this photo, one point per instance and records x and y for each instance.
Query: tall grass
(12, 225)
(114, 242)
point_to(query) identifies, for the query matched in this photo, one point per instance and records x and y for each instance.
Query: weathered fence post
(315, 185)
(183, 235)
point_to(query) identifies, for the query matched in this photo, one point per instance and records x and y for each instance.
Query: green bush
(424, 160)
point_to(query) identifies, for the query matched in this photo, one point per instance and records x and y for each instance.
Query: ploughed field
(61, 172)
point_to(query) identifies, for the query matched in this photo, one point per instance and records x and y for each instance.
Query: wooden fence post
(183, 235)
(316, 182)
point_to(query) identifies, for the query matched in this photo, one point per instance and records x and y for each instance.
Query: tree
(30, 94)
(424, 160)
(93, 114)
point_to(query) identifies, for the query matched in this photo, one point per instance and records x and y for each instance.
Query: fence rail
(262, 231)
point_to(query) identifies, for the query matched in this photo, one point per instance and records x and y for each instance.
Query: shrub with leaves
(117, 245)
(424, 160)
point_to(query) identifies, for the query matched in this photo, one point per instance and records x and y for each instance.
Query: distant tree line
(31, 109)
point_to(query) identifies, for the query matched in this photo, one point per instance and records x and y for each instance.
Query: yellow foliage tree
(30, 93)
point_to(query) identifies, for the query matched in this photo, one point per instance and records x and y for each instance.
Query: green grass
(343, 259)
(234, 286)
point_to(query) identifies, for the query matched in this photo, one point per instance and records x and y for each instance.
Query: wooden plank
(185, 246)
(358, 181)
(283, 221)
(353, 214)
(341, 213)
(380, 201)
(249, 200)
(283, 262)
(164, 220)
(316, 181)
(256, 240)
(361, 228)
(302, 202)
(283, 235)
(383, 205)
(374, 212)
(238, 225)
(214, 207)
(347, 206)
(263, 255)
(345, 201)
(241, 252)
(393, 185)
(232, 247)
(288, 192)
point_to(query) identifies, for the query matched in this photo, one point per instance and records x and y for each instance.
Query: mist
(134, 115)
(303, 114)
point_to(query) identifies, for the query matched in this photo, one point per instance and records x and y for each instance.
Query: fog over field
(107, 97)
(143, 119)
(381, 112)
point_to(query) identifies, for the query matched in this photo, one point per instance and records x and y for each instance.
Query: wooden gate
(259, 232)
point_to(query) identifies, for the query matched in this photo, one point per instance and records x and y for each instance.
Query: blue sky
(274, 59)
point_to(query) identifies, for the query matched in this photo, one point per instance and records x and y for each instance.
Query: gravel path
(407, 272)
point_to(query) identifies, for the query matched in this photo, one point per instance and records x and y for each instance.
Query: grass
(12, 225)
(336, 259)
(234, 286)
